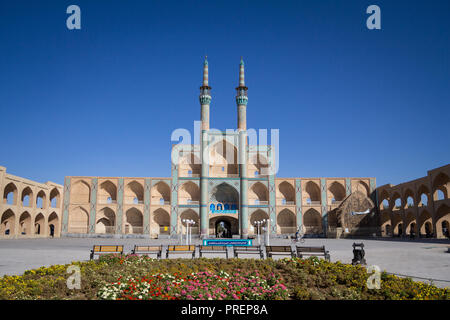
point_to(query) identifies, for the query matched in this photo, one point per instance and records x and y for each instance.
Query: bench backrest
(278, 249)
(107, 248)
(147, 248)
(181, 248)
(213, 248)
(311, 249)
(246, 248)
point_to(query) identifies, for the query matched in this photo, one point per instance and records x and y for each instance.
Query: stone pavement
(426, 259)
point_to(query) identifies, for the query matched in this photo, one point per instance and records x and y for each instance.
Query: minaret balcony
(205, 99)
(241, 100)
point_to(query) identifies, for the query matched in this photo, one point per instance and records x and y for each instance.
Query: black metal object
(358, 254)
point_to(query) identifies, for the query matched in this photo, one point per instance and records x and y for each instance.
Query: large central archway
(223, 226)
(224, 199)
(225, 194)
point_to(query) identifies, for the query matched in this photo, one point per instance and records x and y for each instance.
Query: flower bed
(140, 277)
(197, 286)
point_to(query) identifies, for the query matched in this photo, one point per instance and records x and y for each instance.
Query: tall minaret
(241, 101)
(205, 101)
(205, 97)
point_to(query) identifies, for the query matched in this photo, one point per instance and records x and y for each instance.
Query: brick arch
(39, 224)
(190, 165)
(408, 194)
(259, 164)
(25, 223)
(410, 222)
(10, 188)
(337, 191)
(107, 192)
(160, 190)
(441, 183)
(384, 195)
(423, 190)
(424, 218)
(312, 189)
(55, 198)
(397, 224)
(78, 220)
(27, 192)
(223, 154)
(8, 220)
(41, 200)
(133, 221)
(191, 215)
(105, 220)
(312, 222)
(442, 217)
(53, 219)
(386, 224)
(258, 192)
(287, 191)
(133, 192)
(396, 195)
(188, 192)
(287, 221)
(161, 218)
(80, 192)
(359, 185)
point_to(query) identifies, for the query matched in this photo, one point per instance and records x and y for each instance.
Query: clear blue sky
(104, 100)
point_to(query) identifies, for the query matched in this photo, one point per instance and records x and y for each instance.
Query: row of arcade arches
(107, 192)
(28, 225)
(420, 196)
(421, 226)
(133, 221)
(189, 192)
(26, 197)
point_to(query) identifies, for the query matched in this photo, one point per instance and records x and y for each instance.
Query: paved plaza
(427, 259)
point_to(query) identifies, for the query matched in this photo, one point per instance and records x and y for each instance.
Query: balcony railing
(134, 202)
(133, 230)
(160, 202)
(312, 203)
(259, 203)
(107, 230)
(101, 201)
(84, 229)
(285, 230)
(286, 203)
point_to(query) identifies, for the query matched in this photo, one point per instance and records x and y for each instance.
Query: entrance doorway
(223, 229)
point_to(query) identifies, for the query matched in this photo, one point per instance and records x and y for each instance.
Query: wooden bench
(312, 251)
(213, 249)
(180, 249)
(146, 250)
(279, 250)
(105, 249)
(248, 250)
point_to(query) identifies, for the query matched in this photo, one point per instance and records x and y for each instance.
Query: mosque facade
(227, 187)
